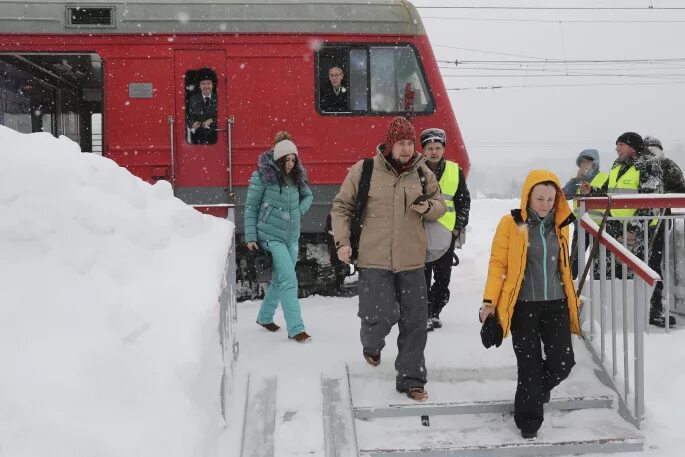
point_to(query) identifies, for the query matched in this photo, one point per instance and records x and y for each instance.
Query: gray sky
(511, 130)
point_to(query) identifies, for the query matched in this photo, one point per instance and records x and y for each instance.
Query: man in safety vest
(635, 171)
(456, 195)
(588, 172)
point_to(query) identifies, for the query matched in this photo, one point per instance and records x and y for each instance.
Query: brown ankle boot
(417, 393)
(373, 360)
(301, 337)
(270, 326)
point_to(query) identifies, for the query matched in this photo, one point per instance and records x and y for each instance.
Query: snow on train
(118, 78)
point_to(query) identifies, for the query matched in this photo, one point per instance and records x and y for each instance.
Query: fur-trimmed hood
(270, 174)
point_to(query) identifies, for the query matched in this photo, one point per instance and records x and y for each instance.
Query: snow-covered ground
(108, 309)
(109, 316)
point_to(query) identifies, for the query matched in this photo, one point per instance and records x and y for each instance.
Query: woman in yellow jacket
(530, 289)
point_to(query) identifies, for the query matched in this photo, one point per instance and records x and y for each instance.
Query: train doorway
(56, 93)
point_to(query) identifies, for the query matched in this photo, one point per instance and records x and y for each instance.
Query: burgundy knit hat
(399, 129)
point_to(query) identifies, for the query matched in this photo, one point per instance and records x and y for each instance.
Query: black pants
(439, 291)
(535, 324)
(655, 257)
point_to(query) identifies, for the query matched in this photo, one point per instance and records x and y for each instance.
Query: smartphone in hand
(419, 199)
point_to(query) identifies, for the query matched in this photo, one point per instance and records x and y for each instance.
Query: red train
(117, 77)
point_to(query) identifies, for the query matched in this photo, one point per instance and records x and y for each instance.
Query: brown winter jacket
(510, 250)
(392, 237)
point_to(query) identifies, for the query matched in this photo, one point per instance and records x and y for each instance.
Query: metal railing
(616, 316)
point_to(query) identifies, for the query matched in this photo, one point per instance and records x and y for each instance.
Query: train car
(119, 78)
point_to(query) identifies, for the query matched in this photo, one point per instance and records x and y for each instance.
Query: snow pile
(108, 308)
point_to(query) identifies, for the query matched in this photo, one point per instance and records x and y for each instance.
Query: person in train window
(277, 197)
(202, 111)
(334, 94)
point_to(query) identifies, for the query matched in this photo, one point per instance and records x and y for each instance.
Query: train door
(200, 130)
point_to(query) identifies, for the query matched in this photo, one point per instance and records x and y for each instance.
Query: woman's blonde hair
(282, 135)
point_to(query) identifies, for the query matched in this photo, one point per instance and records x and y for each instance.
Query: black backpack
(362, 197)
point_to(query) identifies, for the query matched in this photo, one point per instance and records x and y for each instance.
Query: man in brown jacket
(392, 251)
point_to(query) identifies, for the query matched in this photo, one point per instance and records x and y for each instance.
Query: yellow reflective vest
(449, 183)
(628, 183)
(597, 182)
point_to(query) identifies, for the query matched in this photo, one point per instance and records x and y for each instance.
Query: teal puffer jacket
(274, 207)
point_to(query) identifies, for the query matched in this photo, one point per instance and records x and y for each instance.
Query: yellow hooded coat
(509, 253)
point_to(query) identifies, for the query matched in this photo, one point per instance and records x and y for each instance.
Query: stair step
(374, 394)
(338, 422)
(477, 407)
(494, 434)
(260, 418)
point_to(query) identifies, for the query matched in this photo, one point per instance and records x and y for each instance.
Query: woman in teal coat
(277, 198)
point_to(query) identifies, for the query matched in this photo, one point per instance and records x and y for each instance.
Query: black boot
(657, 318)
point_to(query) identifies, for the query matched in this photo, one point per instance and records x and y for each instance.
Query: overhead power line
(531, 86)
(457, 62)
(558, 21)
(557, 8)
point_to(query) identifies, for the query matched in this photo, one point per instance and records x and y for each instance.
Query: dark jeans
(655, 257)
(386, 298)
(535, 324)
(439, 291)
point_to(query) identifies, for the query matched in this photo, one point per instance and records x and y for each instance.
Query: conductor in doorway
(202, 111)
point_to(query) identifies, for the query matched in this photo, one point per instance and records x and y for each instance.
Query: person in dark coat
(458, 201)
(333, 93)
(673, 183)
(202, 112)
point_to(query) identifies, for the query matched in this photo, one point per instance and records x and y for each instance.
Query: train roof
(376, 17)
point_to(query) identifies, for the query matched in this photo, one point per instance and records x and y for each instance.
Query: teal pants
(283, 287)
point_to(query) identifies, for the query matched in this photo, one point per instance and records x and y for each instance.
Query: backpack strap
(422, 178)
(362, 197)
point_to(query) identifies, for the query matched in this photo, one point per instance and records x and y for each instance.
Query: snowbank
(108, 308)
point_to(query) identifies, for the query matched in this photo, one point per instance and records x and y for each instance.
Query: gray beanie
(651, 141)
(283, 148)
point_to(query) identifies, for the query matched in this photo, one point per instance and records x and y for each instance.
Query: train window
(359, 80)
(201, 106)
(334, 80)
(397, 83)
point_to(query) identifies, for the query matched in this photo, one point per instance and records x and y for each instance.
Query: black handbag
(262, 265)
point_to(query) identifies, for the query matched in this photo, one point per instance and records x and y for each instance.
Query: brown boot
(301, 337)
(270, 326)
(417, 393)
(373, 360)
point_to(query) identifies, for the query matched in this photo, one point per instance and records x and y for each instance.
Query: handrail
(624, 255)
(172, 172)
(646, 278)
(636, 201)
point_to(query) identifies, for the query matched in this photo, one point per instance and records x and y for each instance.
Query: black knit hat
(632, 139)
(491, 333)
